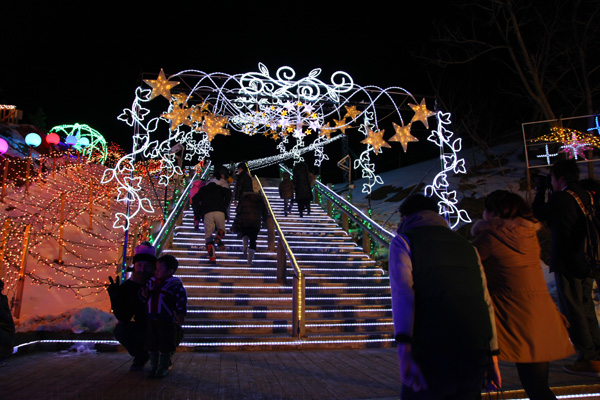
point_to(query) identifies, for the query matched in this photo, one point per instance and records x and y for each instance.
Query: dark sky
(81, 61)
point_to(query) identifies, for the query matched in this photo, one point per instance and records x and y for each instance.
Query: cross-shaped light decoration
(547, 155)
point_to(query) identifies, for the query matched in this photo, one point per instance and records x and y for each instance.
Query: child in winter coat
(166, 307)
(286, 192)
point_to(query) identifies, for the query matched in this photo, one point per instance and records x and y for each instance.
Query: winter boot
(250, 255)
(163, 365)
(212, 257)
(219, 239)
(153, 364)
(245, 243)
(139, 361)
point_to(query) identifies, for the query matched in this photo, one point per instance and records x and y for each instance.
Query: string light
(279, 106)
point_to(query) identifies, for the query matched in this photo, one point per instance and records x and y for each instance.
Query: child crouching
(166, 307)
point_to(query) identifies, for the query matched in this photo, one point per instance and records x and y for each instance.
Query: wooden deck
(333, 374)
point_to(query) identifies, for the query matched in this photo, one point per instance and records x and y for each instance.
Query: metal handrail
(371, 228)
(299, 282)
(167, 228)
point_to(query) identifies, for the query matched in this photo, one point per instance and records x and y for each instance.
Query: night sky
(81, 62)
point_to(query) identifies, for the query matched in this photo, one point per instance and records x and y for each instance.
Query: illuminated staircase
(234, 306)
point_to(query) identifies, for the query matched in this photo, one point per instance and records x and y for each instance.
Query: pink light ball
(52, 138)
(3, 146)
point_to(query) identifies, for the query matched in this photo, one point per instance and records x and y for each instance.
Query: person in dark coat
(286, 192)
(303, 187)
(252, 212)
(129, 309)
(243, 182)
(7, 326)
(567, 260)
(443, 314)
(212, 202)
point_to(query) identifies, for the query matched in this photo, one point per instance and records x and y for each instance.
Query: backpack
(592, 238)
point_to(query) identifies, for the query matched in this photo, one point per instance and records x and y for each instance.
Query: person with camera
(555, 204)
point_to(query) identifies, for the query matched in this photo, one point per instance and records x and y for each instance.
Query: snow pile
(87, 319)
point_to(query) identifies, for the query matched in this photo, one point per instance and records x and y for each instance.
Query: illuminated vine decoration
(450, 147)
(97, 147)
(298, 114)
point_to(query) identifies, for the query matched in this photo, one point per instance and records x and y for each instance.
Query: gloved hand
(113, 287)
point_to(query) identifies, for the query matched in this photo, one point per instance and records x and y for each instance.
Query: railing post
(366, 242)
(4, 179)
(18, 299)
(298, 326)
(5, 233)
(270, 234)
(345, 223)
(281, 263)
(61, 229)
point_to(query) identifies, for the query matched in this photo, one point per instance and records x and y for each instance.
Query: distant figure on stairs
(212, 202)
(286, 192)
(243, 181)
(252, 213)
(303, 181)
(195, 187)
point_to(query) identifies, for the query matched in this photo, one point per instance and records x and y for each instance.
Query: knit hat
(144, 252)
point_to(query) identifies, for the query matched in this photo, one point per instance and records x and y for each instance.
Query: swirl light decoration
(96, 147)
(300, 115)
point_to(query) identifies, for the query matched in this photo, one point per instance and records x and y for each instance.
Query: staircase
(234, 306)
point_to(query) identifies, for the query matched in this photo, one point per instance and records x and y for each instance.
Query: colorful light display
(85, 139)
(299, 114)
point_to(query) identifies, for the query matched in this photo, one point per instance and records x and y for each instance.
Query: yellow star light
(214, 125)
(180, 98)
(421, 113)
(375, 139)
(326, 130)
(340, 126)
(352, 112)
(161, 86)
(178, 116)
(403, 135)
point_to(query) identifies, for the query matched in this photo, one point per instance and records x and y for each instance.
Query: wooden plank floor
(333, 374)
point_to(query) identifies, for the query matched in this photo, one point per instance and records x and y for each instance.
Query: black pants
(252, 234)
(163, 335)
(576, 302)
(534, 378)
(132, 336)
(457, 376)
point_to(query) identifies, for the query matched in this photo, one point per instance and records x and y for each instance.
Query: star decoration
(161, 86)
(340, 126)
(326, 131)
(421, 113)
(214, 125)
(352, 112)
(178, 116)
(375, 139)
(180, 98)
(575, 148)
(403, 135)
